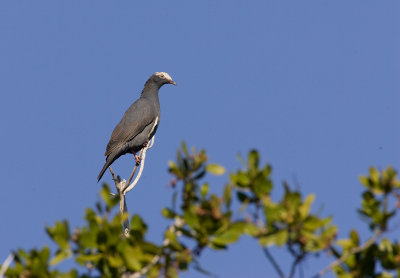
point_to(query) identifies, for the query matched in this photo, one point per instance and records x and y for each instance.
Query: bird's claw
(137, 159)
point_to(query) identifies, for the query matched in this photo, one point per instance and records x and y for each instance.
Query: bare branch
(113, 175)
(273, 262)
(299, 258)
(6, 264)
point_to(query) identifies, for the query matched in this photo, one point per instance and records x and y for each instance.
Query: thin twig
(273, 262)
(344, 257)
(299, 258)
(6, 264)
(113, 175)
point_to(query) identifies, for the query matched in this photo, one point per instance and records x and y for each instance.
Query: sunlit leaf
(215, 169)
(109, 199)
(354, 237)
(60, 234)
(304, 209)
(227, 195)
(131, 257)
(204, 190)
(278, 238)
(254, 159)
(60, 256)
(167, 213)
(84, 258)
(231, 235)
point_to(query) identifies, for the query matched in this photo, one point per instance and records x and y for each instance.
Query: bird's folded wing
(134, 121)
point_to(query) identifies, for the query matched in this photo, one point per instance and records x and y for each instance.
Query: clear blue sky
(313, 85)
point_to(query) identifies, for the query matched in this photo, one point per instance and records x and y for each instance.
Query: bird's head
(162, 78)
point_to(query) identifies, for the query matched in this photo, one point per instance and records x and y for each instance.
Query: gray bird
(139, 123)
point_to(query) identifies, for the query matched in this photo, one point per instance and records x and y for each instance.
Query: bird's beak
(172, 82)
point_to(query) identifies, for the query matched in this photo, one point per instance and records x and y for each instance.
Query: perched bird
(139, 123)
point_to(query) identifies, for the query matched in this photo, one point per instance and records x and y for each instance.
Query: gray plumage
(133, 131)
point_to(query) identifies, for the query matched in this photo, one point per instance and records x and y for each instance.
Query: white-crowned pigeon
(138, 125)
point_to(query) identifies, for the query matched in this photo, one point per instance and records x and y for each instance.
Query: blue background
(313, 85)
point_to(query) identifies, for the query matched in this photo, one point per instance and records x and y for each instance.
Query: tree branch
(299, 258)
(273, 262)
(6, 264)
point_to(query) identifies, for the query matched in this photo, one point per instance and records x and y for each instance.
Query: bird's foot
(137, 159)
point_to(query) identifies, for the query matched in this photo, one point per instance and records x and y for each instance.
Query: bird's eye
(162, 75)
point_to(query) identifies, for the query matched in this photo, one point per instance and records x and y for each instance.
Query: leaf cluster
(199, 219)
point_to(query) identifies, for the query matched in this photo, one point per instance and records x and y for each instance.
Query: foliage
(200, 219)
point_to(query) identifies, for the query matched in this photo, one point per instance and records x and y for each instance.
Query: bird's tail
(110, 159)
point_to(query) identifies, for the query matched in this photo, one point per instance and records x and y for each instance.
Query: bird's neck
(150, 91)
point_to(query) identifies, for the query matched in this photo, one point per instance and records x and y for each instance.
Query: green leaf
(228, 195)
(354, 237)
(261, 186)
(242, 196)
(374, 175)
(137, 224)
(364, 181)
(60, 256)
(231, 235)
(83, 258)
(251, 229)
(190, 217)
(60, 234)
(386, 246)
(199, 175)
(215, 169)
(71, 274)
(345, 243)
(87, 238)
(109, 199)
(167, 213)
(385, 275)
(173, 241)
(217, 246)
(226, 238)
(267, 170)
(254, 159)
(174, 169)
(115, 260)
(240, 179)
(279, 238)
(131, 257)
(184, 148)
(304, 208)
(313, 223)
(204, 190)
(172, 272)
